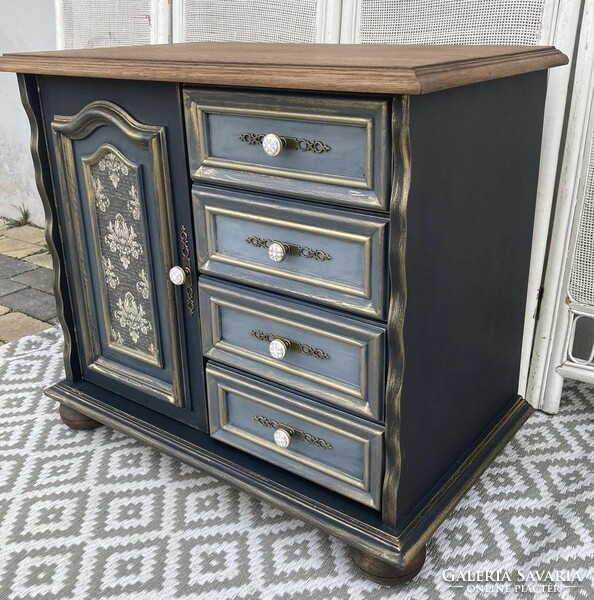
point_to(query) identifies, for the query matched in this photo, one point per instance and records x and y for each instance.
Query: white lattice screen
(95, 23)
(578, 354)
(581, 282)
(250, 20)
(448, 22)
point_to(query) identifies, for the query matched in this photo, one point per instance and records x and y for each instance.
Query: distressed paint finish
(348, 455)
(351, 378)
(164, 381)
(117, 214)
(353, 171)
(353, 278)
(43, 179)
(401, 178)
(78, 140)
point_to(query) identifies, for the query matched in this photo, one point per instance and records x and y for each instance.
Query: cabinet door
(119, 221)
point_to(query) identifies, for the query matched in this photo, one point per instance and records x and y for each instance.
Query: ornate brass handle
(278, 346)
(284, 434)
(275, 145)
(187, 269)
(278, 251)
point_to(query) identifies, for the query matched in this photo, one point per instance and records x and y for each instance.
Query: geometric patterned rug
(97, 515)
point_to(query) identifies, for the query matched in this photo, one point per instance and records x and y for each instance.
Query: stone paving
(26, 301)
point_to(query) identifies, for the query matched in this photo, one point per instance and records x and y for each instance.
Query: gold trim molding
(401, 175)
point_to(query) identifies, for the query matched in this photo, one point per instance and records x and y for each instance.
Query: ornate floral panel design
(115, 195)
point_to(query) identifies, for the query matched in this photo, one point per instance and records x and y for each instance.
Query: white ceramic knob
(277, 252)
(272, 144)
(282, 438)
(177, 275)
(278, 348)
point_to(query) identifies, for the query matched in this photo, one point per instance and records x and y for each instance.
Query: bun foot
(76, 420)
(384, 573)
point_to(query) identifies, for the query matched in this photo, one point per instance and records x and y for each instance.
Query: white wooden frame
(60, 43)
(559, 28)
(327, 22)
(547, 370)
(161, 14)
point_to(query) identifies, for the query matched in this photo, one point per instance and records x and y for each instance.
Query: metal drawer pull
(182, 275)
(284, 434)
(278, 251)
(275, 145)
(278, 347)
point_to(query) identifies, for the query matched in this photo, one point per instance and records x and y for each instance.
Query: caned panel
(581, 283)
(96, 23)
(250, 20)
(507, 22)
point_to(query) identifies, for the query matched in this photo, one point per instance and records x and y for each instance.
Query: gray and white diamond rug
(97, 515)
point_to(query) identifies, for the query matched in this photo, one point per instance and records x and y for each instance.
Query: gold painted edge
(52, 225)
(401, 176)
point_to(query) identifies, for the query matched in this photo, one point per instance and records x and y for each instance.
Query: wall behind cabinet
(24, 25)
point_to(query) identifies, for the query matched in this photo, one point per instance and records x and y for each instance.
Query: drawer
(340, 452)
(332, 357)
(332, 149)
(332, 256)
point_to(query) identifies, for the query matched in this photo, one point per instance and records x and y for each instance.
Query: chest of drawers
(300, 268)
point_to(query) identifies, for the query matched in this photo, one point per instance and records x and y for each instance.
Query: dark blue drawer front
(332, 357)
(339, 152)
(336, 257)
(335, 450)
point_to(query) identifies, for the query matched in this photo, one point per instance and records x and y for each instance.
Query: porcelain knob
(273, 144)
(278, 348)
(277, 252)
(177, 275)
(282, 438)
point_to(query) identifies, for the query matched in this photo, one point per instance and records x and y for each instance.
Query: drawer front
(336, 149)
(340, 452)
(335, 358)
(335, 257)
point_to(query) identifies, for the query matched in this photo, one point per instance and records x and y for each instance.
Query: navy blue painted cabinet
(305, 278)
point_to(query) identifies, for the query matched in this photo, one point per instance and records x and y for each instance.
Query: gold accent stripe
(401, 174)
(53, 235)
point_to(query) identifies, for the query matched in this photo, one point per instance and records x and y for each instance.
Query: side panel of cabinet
(119, 172)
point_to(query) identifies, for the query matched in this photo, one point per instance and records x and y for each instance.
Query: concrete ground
(26, 301)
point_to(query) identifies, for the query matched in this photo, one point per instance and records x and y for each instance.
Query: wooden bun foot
(385, 574)
(76, 420)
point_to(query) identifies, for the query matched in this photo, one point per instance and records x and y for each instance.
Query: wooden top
(390, 69)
